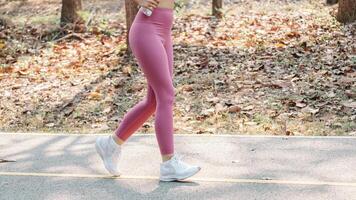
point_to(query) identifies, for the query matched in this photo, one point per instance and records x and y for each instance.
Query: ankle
(117, 140)
(167, 157)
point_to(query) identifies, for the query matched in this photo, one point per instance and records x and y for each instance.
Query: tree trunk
(217, 5)
(131, 11)
(70, 10)
(347, 11)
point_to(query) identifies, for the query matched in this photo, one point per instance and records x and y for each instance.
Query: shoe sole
(101, 153)
(179, 178)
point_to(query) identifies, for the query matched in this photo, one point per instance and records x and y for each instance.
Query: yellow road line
(176, 134)
(224, 180)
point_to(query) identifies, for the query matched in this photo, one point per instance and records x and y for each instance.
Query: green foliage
(103, 25)
(353, 60)
(262, 119)
(179, 4)
(84, 14)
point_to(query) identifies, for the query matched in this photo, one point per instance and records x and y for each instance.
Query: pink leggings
(151, 43)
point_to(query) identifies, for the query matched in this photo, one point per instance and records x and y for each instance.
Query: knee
(151, 102)
(167, 97)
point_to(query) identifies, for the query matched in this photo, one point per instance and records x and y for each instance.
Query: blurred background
(279, 67)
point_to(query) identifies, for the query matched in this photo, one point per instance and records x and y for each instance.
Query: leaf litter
(281, 68)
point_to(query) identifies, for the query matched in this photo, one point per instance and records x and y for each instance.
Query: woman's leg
(148, 48)
(169, 51)
(135, 117)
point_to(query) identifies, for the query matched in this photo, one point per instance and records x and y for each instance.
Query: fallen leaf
(212, 99)
(234, 109)
(247, 108)
(350, 93)
(219, 107)
(187, 88)
(300, 104)
(349, 104)
(311, 110)
(95, 96)
(127, 70)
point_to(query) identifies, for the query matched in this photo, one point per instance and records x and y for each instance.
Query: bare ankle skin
(117, 140)
(120, 142)
(166, 157)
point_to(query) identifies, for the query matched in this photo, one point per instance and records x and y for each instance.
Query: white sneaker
(175, 169)
(110, 153)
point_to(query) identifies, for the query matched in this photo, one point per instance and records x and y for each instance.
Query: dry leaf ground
(278, 67)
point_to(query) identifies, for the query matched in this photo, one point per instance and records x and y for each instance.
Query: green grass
(38, 19)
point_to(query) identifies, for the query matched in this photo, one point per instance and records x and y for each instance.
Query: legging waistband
(160, 16)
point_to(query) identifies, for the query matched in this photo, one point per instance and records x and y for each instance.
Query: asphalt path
(66, 166)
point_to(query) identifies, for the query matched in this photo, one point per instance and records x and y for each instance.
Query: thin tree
(70, 10)
(217, 6)
(131, 11)
(347, 11)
